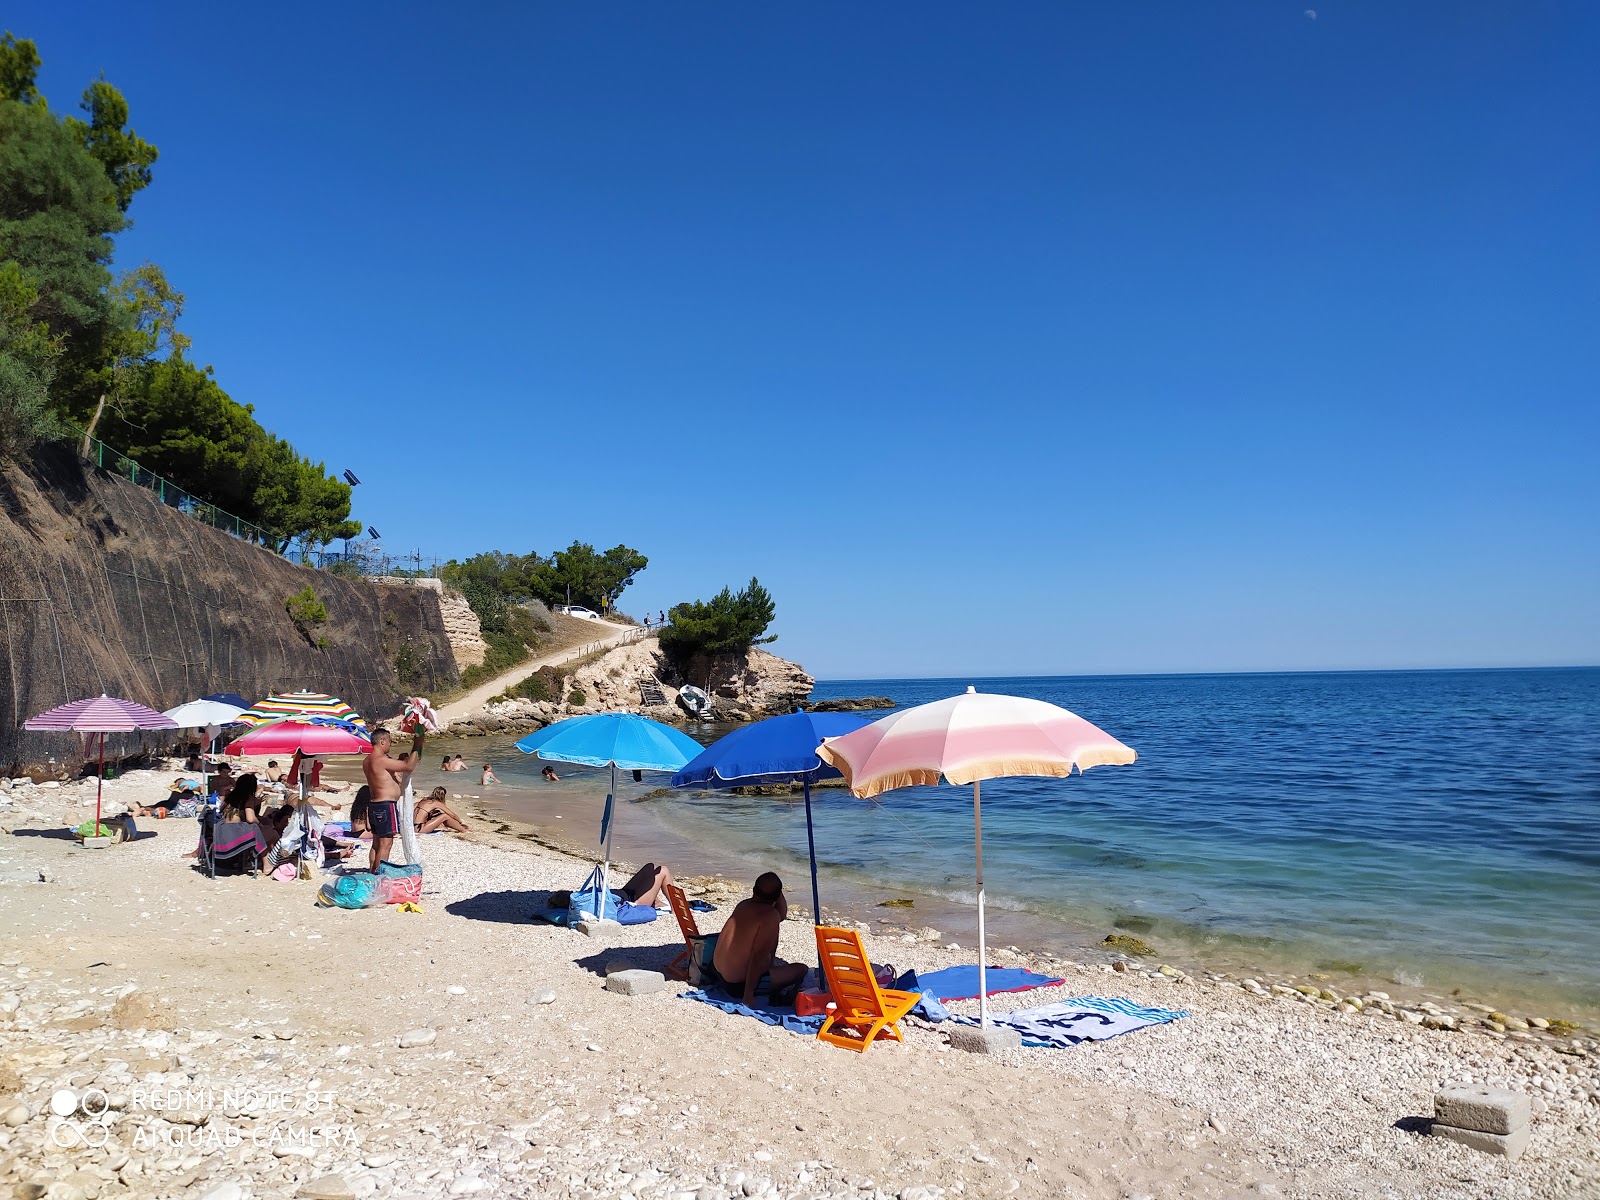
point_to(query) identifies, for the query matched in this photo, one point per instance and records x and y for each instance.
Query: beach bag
(700, 952)
(349, 891)
(399, 884)
(812, 1004)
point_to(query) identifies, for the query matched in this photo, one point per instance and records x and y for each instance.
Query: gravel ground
(252, 1045)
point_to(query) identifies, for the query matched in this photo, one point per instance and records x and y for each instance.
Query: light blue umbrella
(624, 740)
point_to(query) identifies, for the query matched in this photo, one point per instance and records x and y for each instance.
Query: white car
(574, 610)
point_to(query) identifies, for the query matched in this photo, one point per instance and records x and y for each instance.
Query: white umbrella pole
(983, 974)
(605, 865)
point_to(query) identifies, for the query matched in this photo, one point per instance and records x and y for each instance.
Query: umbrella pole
(811, 845)
(605, 865)
(983, 974)
(205, 789)
(99, 783)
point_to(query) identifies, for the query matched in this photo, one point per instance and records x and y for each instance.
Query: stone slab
(975, 1039)
(635, 982)
(1507, 1145)
(1485, 1109)
(599, 930)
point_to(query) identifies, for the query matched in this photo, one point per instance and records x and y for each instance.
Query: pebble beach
(250, 1044)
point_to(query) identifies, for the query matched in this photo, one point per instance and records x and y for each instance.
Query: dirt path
(606, 636)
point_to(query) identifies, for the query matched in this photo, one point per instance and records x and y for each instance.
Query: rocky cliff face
(105, 589)
(745, 688)
(462, 628)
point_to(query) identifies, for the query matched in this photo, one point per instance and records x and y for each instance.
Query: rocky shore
(251, 1045)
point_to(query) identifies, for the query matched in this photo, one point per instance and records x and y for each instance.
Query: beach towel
(406, 811)
(768, 1015)
(419, 712)
(961, 983)
(1080, 1019)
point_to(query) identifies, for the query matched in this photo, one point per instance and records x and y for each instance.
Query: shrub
(343, 568)
(305, 609)
(576, 698)
(408, 663)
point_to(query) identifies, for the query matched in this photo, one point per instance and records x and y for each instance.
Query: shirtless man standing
(747, 946)
(386, 777)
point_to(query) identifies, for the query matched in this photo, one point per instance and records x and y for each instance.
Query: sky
(1003, 339)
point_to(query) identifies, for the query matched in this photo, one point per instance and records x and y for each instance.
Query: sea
(1436, 829)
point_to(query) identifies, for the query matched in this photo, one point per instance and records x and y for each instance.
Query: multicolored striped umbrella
(102, 714)
(299, 704)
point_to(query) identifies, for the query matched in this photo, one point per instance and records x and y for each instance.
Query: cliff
(746, 688)
(103, 588)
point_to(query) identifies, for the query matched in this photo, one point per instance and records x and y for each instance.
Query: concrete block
(1507, 1145)
(975, 1039)
(635, 983)
(613, 965)
(599, 930)
(1483, 1109)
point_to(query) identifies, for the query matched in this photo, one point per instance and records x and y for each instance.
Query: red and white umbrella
(966, 739)
(101, 714)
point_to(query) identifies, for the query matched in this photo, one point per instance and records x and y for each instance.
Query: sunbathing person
(748, 944)
(433, 813)
(358, 812)
(646, 884)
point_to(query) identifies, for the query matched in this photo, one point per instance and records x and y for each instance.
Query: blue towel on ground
(766, 1014)
(961, 983)
(1080, 1019)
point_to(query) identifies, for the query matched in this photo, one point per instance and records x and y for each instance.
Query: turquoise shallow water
(1433, 827)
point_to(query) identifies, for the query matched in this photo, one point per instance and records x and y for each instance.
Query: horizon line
(1203, 674)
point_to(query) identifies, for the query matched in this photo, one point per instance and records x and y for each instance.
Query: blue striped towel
(1080, 1019)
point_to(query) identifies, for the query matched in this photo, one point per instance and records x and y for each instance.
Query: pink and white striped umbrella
(102, 714)
(969, 738)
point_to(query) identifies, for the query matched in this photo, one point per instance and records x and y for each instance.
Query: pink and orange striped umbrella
(966, 739)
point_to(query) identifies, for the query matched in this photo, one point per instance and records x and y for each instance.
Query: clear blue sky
(1032, 339)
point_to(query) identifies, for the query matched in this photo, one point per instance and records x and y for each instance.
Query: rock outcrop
(745, 688)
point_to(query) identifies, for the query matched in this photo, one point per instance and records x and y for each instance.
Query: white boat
(696, 701)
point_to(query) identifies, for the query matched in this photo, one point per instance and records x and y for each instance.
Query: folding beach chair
(697, 946)
(228, 847)
(862, 1010)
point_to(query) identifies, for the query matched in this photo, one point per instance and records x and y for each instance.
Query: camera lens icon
(85, 1121)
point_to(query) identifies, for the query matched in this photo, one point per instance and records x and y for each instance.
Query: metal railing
(119, 464)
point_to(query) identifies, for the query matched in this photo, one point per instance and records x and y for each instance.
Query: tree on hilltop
(728, 623)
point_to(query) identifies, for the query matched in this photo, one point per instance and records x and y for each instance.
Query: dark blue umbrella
(232, 698)
(777, 750)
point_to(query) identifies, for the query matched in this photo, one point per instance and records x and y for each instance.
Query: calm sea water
(1434, 827)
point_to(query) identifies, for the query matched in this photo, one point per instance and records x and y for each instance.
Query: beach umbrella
(299, 704)
(777, 750)
(969, 738)
(309, 736)
(209, 715)
(103, 714)
(614, 740)
(233, 698)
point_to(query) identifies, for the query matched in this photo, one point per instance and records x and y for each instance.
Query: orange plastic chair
(678, 968)
(861, 1009)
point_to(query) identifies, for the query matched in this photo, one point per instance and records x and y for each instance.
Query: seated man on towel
(748, 944)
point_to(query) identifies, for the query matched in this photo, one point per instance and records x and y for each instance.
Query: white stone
(226, 1190)
(417, 1037)
(455, 989)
